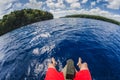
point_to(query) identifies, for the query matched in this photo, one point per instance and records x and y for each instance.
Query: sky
(59, 8)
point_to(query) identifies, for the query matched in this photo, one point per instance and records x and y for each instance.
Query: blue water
(25, 52)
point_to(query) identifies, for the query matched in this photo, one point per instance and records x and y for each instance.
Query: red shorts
(53, 74)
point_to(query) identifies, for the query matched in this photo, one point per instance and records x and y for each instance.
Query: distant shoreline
(19, 18)
(92, 17)
(24, 17)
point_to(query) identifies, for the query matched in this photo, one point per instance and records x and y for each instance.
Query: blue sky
(107, 8)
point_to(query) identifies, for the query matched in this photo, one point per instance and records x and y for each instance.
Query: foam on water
(26, 52)
(42, 35)
(2, 56)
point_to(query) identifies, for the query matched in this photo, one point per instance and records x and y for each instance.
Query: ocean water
(25, 52)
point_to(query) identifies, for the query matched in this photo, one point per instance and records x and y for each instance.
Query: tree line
(21, 18)
(93, 17)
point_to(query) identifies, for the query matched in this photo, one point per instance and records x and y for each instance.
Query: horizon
(60, 8)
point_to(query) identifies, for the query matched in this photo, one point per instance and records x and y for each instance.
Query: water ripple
(25, 52)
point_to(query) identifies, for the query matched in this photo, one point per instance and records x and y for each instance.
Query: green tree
(21, 18)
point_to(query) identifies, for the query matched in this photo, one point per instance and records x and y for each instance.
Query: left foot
(53, 61)
(52, 64)
(79, 62)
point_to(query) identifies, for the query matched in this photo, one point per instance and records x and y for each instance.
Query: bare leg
(82, 66)
(52, 73)
(84, 73)
(52, 64)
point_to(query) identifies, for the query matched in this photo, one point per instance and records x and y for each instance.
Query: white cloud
(98, 11)
(50, 4)
(75, 5)
(98, 1)
(60, 1)
(34, 4)
(53, 5)
(59, 5)
(71, 1)
(17, 6)
(6, 1)
(113, 4)
(5, 7)
(95, 11)
(84, 1)
(93, 3)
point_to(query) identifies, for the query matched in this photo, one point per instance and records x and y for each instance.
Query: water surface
(25, 52)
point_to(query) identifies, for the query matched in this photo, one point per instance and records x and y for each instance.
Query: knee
(84, 66)
(51, 65)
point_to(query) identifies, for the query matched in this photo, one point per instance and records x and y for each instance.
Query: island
(93, 17)
(21, 18)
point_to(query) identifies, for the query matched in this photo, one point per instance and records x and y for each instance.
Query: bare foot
(84, 66)
(53, 61)
(52, 64)
(79, 62)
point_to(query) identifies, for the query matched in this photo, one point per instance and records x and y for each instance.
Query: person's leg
(52, 73)
(82, 66)
(84, 73)
(52, 64)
